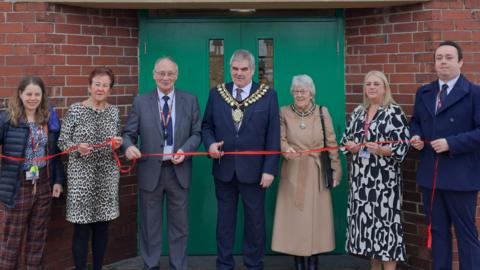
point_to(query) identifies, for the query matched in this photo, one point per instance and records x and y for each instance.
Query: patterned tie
(238, 97)
(441, 96)
(168, 131)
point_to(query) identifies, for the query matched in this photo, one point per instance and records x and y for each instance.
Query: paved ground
(327, 262)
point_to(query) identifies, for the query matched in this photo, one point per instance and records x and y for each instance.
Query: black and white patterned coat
(375, 196)
(92, 180)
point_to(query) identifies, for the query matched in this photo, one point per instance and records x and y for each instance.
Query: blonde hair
(387, 98)
(16, 110)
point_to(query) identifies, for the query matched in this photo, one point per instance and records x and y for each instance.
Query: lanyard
(35, 145)
(366, 126)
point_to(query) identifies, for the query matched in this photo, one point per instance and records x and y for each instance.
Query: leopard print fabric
(92, 180)
(374, 226)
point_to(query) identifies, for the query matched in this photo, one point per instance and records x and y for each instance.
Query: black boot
(312, 262)
(299, 262)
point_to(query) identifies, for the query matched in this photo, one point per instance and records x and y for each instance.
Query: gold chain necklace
(238, 107)
(303, 114)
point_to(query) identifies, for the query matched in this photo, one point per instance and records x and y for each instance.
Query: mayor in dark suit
(447, 115)
(167, 121)
(239, 116)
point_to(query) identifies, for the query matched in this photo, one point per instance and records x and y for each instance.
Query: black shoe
(312, 262)
(299, 262)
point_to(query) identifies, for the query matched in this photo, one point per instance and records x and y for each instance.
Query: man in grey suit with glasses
(167, 121)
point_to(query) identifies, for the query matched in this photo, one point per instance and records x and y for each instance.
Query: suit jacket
(260, 130)
(144, 122)
(458, 121)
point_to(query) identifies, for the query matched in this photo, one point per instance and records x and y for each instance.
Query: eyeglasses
(163, 74)
(300, 92)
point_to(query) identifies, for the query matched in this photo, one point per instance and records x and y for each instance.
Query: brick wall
(62, 44)
(400, 41)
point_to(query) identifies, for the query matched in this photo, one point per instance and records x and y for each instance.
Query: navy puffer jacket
(13, 140)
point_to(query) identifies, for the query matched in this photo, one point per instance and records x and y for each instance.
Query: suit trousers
(151, 217)
(457, 208)
(253, 199)
(30, 216)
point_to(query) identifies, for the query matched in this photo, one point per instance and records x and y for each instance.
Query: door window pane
(265, 61)
(216, 56)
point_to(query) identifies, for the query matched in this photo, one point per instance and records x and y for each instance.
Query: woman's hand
(117, 142)
(57, 190)
(291, 153)
(376, 149)
(84, 149)
(352, 147)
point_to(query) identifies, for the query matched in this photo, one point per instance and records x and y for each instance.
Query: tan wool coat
(303, 223)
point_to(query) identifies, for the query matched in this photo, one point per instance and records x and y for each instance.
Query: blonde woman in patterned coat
(374, 226)
(303, 225)
(92, 185)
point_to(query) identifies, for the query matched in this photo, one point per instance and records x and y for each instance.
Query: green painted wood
(313, 46)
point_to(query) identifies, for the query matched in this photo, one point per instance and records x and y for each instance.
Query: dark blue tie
(168, 131)
(442, 95)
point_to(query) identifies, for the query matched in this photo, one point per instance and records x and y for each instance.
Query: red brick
(40, 49)
(405, 27)
(467, 25)
(67, 28)
(79, 60)
(19, 60)
(23, 17)
(118, 31)
(403, 17)
(386, 48)
(74, 91)
(438, 25)
(103, 60)
(66, 70)
(38, 27)
(131, 42)
(50, 59)
(5, 6)
(127, 60)
(104, 21)
(370, 30)
(79, 19)
(104, 41)
(448, 14)
(380, 39)
(10, 28)
(82, 40)
(130, 51)
(93, 30)
(73, 49)
(38, 70)
(76, 80)
(355, 40)
(93, 50)
(104, 50)
(400, 38)
(404, 68)
(50, 38)
(377, 58)
(20, 38)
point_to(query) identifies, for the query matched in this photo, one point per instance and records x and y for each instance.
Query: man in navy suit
(240, 116)
(447, 114)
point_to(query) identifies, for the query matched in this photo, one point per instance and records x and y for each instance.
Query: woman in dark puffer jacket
(29, 130)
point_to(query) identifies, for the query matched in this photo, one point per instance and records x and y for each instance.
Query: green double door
(283, 47)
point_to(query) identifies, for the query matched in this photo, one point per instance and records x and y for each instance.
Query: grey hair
(304, 81)
(160, 59)
(243, 55)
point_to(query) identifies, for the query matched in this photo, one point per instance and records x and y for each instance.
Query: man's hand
(440, 145)
(214, 150)
(117, 142)
(417, 142)
(177, 159)
(57, 190)
(352, 147)
(267, 180)
(133, 153)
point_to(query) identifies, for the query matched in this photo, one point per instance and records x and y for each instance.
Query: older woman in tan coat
(303, 224)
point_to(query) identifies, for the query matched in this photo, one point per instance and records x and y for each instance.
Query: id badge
(363, 153)
(32, 174)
